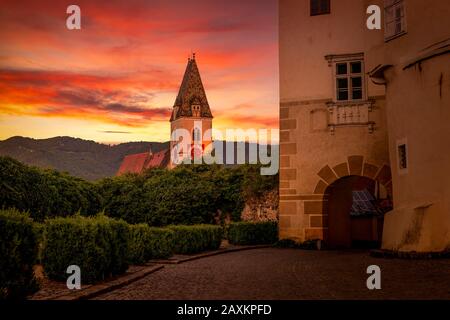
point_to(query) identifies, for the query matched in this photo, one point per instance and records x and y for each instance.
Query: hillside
(82, 158)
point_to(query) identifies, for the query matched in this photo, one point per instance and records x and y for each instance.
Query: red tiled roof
(136, 163)
(133, 163)
(159, 159)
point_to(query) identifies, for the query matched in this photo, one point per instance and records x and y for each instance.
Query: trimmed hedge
(39, 230)
(289, 243)
(149, 243)
(196, 238)
(248, 233)
(18, 254)
(98, 245)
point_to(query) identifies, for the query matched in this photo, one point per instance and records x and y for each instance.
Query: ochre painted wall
(311, 156)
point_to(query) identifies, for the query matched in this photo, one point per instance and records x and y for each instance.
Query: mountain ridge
(82, 158)
(87, 159)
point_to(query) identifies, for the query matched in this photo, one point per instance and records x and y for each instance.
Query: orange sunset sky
(116, 79)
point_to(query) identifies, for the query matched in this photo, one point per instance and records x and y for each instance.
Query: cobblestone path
(292, 274)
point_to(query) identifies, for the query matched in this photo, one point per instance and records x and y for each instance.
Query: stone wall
(264, 208)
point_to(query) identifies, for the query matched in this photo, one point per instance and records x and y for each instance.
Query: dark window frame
(402, 156)
(319, 7)
(347, 93)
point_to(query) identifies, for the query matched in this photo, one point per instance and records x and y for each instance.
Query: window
(349, 81)
(196, 135)
(394, 19)
(195, 110)
(402, 158)
(319, 7)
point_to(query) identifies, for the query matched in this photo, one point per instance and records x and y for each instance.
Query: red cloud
(111, 99)
(130, 53)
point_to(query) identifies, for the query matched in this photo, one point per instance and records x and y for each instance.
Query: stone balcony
(350, 114)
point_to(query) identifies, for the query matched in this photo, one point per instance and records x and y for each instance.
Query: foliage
(188, 194)
(289, 243)
(39, 231)
(98, 245)
(18, 253)
(196, 238)
(44, 193)
(149, 243)
(159, 197)
(249, 233)
(286, 243)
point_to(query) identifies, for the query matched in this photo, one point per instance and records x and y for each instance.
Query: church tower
(191, 117)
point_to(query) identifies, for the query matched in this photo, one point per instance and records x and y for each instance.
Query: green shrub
(289, 243)
(248, 233)
(188, 194)
(18, 254)
(159, 198)
(45, 193)
(196, 238)
(39, 230)
(161, 243)
(149, 243)
(99, 246)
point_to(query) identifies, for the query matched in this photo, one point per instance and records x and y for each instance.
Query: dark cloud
(80, 97)
(122, 108)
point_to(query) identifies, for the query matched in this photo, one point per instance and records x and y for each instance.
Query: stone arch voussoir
(355, 165)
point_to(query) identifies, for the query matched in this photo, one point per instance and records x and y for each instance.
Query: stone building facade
(413, 64)
(340, 129)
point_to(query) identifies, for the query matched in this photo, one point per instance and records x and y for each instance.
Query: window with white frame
(349, 80)
(394, 19)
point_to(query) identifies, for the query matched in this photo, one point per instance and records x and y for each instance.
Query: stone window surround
(334, 59)
(389, 4)
(336, 105)
(399, 143)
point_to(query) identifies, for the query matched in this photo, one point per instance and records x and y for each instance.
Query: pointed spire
(191, 92)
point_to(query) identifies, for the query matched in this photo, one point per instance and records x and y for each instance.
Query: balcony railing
(352, 113)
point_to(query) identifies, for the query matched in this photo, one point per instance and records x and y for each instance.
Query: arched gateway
(346, 207)
(356, 195)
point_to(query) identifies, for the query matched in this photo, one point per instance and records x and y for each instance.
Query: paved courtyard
(292, 274)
